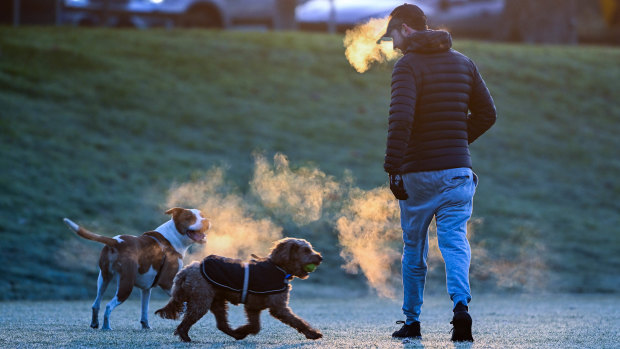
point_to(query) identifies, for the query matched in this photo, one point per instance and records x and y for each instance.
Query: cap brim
(387, 36)
(384, 38)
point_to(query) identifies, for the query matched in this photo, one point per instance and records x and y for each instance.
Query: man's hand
(398, 187)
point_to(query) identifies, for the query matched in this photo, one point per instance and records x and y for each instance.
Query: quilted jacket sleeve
(482, 109)
(402, 110)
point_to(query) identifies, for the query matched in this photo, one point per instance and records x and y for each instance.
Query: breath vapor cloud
(361, 45)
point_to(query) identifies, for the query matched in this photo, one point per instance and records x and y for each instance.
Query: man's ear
(407, 30)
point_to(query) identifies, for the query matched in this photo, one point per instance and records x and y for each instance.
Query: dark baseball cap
(409, 14)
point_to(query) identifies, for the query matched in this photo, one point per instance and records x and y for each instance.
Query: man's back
(433, 89)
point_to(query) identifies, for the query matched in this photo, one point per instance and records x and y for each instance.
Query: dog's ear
(283, 251)
(292, 251)
(174, 211)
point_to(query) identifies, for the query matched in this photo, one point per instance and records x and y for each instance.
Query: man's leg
(416, 214)
(452, 216)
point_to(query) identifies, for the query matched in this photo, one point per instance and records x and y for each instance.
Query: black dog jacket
(258, 277)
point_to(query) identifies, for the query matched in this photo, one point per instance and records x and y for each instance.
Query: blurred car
(114, 13)
(219, 13)
(185, 13)
(470, 17)
(316, 14)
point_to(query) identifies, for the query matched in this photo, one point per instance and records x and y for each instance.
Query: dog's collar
(287, 276)
(163, 248)
(164, 243)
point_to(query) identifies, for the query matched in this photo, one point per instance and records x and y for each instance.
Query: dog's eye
(306, 250)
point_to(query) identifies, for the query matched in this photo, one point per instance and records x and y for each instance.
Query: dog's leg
(144, 320)
(125, 285)
(252, 327)
(286, 315)
(102, 285)
(196, 309)
(176, 303)
(108, 309)
(169, 293)
(219, 308)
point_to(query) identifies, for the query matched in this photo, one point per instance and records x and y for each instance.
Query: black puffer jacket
(439, 105)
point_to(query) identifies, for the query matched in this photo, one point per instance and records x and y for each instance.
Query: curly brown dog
(262, 284)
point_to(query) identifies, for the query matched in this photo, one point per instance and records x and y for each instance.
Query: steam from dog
(361, 45)
(366, 222)
(525, 269)
(299, 194)
(367, 230)
(243, 224)
(235, 232)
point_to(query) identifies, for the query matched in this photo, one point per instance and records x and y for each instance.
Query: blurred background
(557, 21)
(271, 117)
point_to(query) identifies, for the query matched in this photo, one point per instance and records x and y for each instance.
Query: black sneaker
(461, 322)
(408, 331)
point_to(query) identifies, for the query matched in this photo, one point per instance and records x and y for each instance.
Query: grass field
(548, 321)
(99, 125)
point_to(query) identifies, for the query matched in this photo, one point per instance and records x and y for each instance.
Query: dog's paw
(313, 334)
(237, 335)
(164, 314)
(183, 336)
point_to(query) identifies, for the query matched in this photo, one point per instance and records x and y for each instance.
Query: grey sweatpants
(448, 196)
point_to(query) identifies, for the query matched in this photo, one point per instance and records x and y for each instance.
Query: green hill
(97, 125)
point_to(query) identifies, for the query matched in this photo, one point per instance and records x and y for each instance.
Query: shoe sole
(462, 328)
(409, 337)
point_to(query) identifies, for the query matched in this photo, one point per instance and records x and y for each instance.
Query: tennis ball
(309, 267)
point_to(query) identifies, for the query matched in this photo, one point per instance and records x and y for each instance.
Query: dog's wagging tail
(89, 235)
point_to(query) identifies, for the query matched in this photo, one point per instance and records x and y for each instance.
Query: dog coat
(258, 277)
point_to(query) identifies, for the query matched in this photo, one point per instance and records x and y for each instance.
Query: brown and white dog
(145, 261)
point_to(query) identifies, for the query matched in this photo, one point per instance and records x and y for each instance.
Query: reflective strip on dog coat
(263, 277)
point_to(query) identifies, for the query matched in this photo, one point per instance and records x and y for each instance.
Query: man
(440, 105)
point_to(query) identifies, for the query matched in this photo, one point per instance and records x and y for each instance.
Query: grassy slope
(97, 124)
